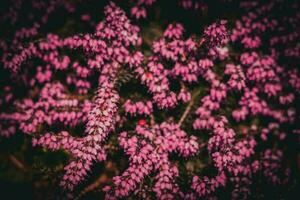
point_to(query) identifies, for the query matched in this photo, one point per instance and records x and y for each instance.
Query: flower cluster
(216, 35)
(148, 149)
(140, 108)
(180, 115)
(100, 121)
(54, 105)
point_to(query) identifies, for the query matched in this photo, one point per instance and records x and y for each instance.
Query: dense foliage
(149, 99)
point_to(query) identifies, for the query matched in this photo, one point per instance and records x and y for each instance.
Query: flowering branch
(115, 86)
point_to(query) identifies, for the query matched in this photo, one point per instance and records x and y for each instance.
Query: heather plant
(125, 100)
